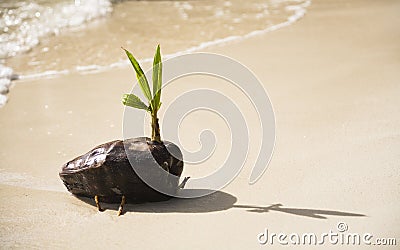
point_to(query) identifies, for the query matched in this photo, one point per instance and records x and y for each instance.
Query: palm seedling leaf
(157, 79)
(144, 85)
(134, 102)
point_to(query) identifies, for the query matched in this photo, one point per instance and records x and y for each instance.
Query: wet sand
(333, 80)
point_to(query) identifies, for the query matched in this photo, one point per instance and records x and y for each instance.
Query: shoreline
(334, 89)
(299, 13)
(6, 77)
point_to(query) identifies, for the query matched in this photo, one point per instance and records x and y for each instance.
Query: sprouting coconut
(105, 173)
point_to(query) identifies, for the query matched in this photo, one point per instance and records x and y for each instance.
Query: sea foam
(23, 25)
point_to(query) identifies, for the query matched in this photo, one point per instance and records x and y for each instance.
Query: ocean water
(45, 38)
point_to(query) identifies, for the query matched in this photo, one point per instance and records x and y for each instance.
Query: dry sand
(333, 79)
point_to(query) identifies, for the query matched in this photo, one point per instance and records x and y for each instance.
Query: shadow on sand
(217, 201)
(312, 213)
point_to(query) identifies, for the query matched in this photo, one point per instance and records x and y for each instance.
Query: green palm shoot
(153, 98)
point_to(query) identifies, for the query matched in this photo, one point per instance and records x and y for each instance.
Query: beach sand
(333, 79)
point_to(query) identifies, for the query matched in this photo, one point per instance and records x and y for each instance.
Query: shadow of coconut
(216, 201)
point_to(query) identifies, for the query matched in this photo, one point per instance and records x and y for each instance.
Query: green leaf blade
(144, 85)
(133, 101)
(157, 79)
